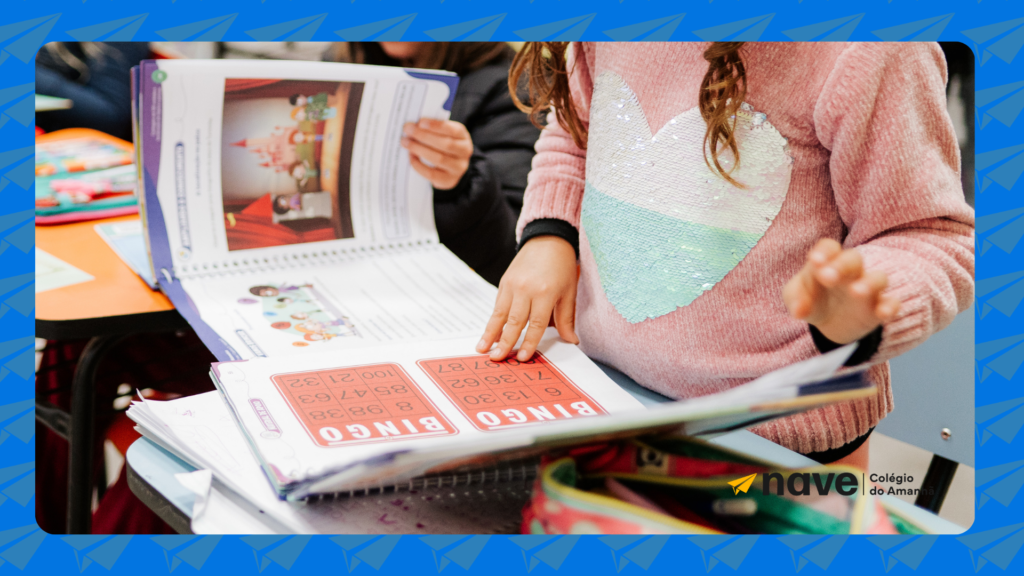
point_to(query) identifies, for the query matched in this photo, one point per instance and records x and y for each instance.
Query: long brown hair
(459, 57)
(547, 85)
(722, 91)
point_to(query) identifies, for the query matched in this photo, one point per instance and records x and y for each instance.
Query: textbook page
(253, 160)
(355, 299)
(328, 412)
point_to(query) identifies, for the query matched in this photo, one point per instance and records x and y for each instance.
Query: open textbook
(282, 215)
(384, 416)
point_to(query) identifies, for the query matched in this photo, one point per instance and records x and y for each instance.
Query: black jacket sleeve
(477, 218)
(102, 101)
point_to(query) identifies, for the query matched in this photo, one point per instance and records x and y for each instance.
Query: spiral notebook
(282, 215)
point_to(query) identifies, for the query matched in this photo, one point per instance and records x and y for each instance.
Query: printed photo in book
(300, 311)
(286, 160)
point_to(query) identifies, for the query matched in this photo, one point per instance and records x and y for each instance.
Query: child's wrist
(866, 347)
(842, 333)
(835, 336)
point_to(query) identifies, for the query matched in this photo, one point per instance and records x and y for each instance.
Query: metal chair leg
(936, 483)
(82, 432)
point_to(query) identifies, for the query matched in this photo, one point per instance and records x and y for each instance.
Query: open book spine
(148, 98)
(138, 121)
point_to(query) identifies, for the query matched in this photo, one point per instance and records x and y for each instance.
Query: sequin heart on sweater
(663, 227)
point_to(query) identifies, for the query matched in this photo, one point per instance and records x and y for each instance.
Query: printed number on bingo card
(495, 395)
(373, 403)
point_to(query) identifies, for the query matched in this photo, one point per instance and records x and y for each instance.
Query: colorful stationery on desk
(83, 174)
(285, 222)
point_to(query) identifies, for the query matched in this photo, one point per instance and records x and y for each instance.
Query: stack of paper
(245, 460)
(199, 430)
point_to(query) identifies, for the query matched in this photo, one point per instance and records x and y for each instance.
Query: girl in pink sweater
(737, 208)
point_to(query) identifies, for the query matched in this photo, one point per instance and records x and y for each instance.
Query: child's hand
(541, 279)
(835, 294)
(443, 144)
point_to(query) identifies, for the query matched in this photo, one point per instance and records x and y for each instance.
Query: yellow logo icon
(742, 484)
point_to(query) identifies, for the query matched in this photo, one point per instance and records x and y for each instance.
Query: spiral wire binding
(511, 471)
(295, 260)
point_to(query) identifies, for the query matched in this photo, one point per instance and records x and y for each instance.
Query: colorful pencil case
(684, 486)
(83, 174)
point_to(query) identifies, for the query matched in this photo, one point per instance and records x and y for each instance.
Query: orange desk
(116, 302)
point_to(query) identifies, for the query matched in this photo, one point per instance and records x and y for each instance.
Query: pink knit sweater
(681, 272)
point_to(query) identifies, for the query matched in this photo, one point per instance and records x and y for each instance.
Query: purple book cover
(150, 125)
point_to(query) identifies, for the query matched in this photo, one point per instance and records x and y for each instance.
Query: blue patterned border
(994, 28)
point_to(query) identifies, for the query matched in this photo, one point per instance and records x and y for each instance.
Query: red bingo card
(495, 395)
(359, 404)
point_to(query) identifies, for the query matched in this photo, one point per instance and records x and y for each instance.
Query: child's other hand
(541, 279)
(835, 294)
(439, 150)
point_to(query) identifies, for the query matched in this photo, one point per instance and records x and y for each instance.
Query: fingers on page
(565, 318)
(424, 152)
(540, 314)
(440, 179)
(422, 169)
(431, 124)
(443, 143)
(518, 315)
(497, 321)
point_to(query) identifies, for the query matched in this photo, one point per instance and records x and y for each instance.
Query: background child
(96, 77)
(478, 160)
(740, 208)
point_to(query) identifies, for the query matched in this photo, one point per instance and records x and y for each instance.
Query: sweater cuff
(866, 346)
(551, 227)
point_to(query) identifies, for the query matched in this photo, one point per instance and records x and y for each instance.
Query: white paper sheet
(53, 273)
(215, 511)
(360, 299)
(240, 500)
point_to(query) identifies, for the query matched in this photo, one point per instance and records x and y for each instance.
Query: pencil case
(679, 485)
